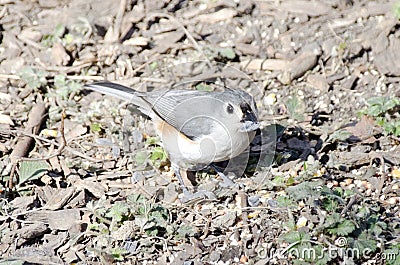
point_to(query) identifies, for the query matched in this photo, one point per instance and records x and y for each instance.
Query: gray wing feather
(184, 109)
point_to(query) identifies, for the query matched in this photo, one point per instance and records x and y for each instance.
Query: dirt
(84, 178)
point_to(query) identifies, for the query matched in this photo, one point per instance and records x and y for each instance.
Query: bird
(196, 128)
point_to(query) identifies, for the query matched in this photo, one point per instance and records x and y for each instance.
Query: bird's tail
(122, 92)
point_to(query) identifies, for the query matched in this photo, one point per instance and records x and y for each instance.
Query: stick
(35, 120)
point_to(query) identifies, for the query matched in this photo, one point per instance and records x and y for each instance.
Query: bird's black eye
(229, 109)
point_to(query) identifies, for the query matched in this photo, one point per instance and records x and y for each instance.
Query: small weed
(356, 228)
(33, 78)
(134, 220)
(385, 111)
(295, 108)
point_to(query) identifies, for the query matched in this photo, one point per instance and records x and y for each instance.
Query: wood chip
(264, 64)
(387, 61)
(57, 220)
(319, 82)
(58, 55)
(55, 198)
(5, 119)
(299, 66)
(221, 15)
(137, 41)
(313, 9)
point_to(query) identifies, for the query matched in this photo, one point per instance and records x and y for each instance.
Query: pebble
(348, 182)
(393, 200)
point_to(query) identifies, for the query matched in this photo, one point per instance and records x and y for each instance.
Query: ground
(85, 180)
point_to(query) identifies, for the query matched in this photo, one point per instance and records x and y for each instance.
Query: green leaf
(294, 106)
(228, 53)
(153, 66)
(376, 101)
(296, 236)
(284, 201)
(118, 253)
(392, 255)
(68, 39)
(60, 82)
(375, 110)
(118, 211)
(152, 140)
(140, 157)
(30, 170)
(344, 228)
(185, 231)
(158, 156)
(204, 87)
(305, 190)
(96, 127)
(330, 204)
(363, 244)
(33, 78)
(59, 30)
(279, 180)
(332, 219)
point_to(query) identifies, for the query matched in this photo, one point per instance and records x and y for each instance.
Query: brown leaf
(58, 55)
(364, 129)
(57, 220)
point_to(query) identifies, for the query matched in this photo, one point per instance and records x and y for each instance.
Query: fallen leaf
(363, 129)
(30, 170)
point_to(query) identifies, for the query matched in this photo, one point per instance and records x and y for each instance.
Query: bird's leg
(187, 195)
(227, 182)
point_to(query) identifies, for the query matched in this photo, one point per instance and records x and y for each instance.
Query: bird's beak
(249, 122)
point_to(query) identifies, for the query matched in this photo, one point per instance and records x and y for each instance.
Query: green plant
(59, 35)
(32, 77)
(385, 111)
(353, 227)
(295, 108)
(135, 219)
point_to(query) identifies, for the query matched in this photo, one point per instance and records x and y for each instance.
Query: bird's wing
(189, 111)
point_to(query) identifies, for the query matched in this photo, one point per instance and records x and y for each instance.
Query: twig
(67, 148)
(72, 77)
(60, 148)
(187, 33)
(118, 19)
(35, 119)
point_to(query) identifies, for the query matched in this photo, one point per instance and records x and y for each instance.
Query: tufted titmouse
(196, 128)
